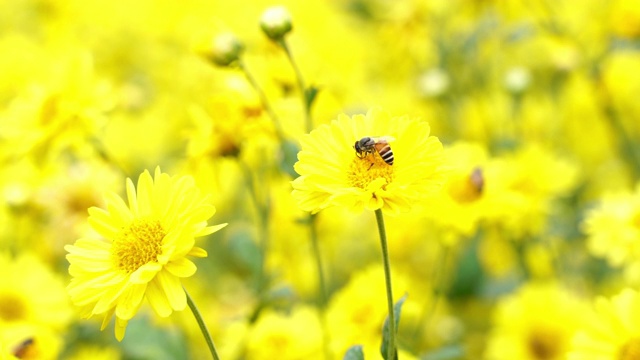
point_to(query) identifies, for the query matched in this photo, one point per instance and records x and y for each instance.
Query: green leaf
(310, 94)
(146, 340)
(289, 150)
(354, 353)
(397, 309)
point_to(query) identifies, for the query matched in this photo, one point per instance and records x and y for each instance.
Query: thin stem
(391, 349)
(203, 327)
(262, 211)
(263, 99)
(301, 86)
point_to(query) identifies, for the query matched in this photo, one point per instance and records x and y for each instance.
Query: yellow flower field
(321, 179)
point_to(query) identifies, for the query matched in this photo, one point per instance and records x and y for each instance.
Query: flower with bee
(373, 161)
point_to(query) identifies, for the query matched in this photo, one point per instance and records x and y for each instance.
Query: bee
(477, 179)
(23, 349)
(368, 145)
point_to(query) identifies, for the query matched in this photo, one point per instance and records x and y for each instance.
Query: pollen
(362, 171)
(630, 350)
(138, 244)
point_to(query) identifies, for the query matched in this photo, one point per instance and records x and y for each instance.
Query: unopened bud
(225, 49)
(276, 22)
(433, 83)
(517, 79)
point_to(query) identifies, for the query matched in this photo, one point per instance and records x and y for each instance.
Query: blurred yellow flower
(625, 18)
(95, 352)
(297, 335)
(142, 249)
(461, 206)
(538, 322)
(332, 173)
(356, 312)
(613, 228)
(613, 332)
(24, 280)
(31, 342)
(522, 186)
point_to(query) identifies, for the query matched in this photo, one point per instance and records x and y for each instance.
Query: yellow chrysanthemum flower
(297, 335)
(24, 280)
(538, 322)
(357, 311)
(333, 173)
(143, 249)
(613, 331)
(613, 228)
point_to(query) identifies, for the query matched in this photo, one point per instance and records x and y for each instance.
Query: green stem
(263, 99)
(301, 86)
(262, 211)
(203, 327)
(391, 349)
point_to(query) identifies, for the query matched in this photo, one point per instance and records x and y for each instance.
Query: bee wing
(386, 139)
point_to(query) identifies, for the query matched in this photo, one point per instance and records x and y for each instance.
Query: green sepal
(310, 95)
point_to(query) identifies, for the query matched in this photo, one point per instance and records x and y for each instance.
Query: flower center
(630, 350)
(138, 244)
(12, 307)
(363, 171)
(544, 344)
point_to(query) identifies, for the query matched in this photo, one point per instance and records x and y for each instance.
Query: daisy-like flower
(332, 172)
(535, 323)
(613, 332)
(141, 251)
(613, 228)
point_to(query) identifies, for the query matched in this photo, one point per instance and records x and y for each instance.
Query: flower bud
(276, 22)
(225, 49)
(517, 79)
(433, 83)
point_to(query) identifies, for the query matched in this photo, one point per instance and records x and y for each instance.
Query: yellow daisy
(613, 332)
(613, 228)
(535, 323)
(332, 172)
(141, 251)
(24, 279)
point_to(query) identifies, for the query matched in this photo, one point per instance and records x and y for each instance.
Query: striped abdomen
(383, 148)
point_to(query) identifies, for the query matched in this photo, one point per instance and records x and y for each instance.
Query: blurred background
(535, 102)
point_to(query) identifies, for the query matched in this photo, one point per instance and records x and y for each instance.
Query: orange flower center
(362, 171)
(138, 244)
(544, 344)
(12, 307)
(630, 350)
